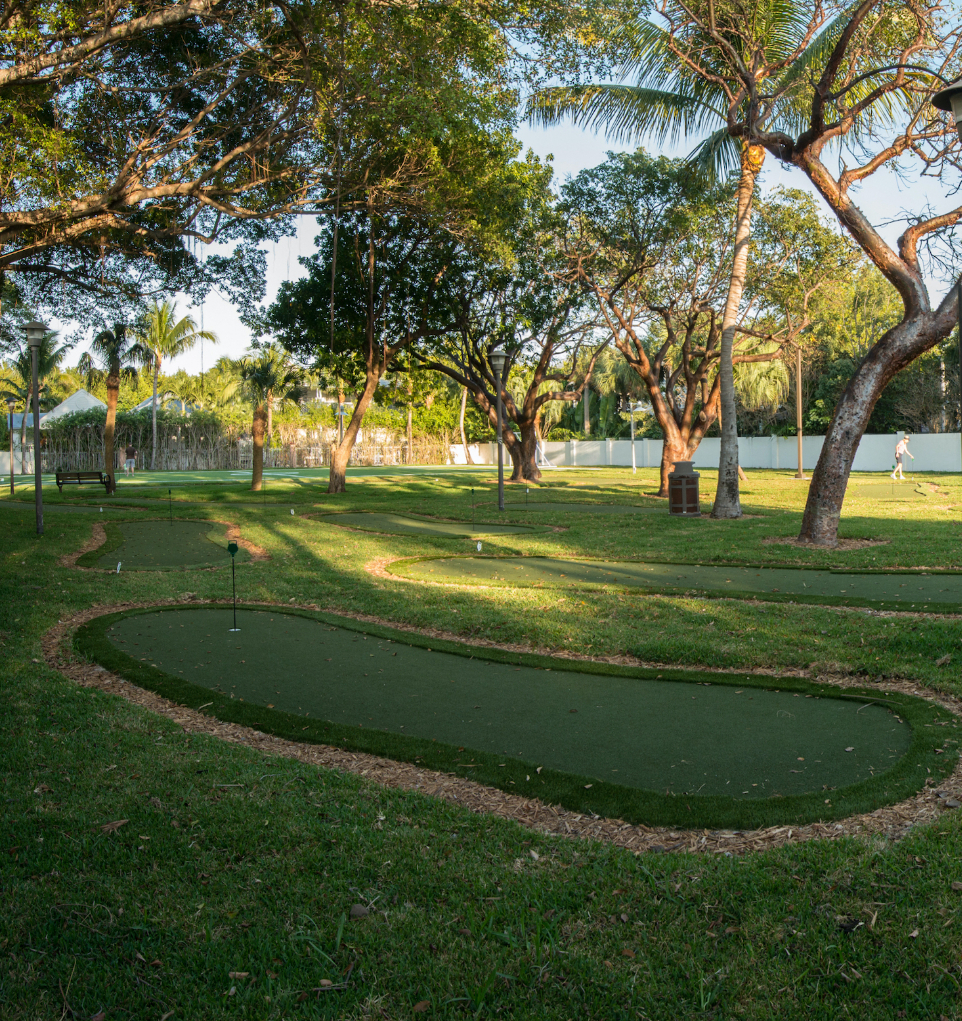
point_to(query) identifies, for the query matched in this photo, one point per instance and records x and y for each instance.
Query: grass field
(228, 889)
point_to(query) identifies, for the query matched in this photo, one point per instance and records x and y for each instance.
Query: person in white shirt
(900, 451)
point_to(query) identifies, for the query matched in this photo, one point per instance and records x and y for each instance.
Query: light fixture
(949, 100)
(498, 361)
(35, 333)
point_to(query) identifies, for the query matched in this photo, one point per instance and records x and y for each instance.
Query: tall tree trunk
(410, 454)
(153, 416)
(257, 433)
(270, 417)
(527, 466)
(468, 459)
(586, 405)
(23, 433)
(342, 454)
(727, 504)
(113, 392)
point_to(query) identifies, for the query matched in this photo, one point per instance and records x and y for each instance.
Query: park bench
(82, 479)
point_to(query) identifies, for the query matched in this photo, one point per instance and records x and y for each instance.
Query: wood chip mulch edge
(891, 822)
(98, 536)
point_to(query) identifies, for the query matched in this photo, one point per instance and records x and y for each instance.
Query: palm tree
(711, 73)
(268, 378)
(163, 338)
(20, 388)
(120, 354)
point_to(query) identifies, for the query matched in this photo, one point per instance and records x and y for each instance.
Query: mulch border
(891, 822)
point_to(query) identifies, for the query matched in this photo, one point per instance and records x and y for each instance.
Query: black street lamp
(498, 361)
(35, 333)
(232, 550)
(949, 100)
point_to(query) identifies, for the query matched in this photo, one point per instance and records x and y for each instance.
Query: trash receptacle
(683, 490)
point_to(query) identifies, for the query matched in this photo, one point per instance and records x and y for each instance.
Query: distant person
(900, 451)
(131, 453)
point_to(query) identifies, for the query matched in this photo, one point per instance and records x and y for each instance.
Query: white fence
(934, 452)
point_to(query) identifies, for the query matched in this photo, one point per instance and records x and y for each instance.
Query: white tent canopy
(78, 401)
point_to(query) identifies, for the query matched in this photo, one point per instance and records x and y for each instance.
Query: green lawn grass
(471, 914)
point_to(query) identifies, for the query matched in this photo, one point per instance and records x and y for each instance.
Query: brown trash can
(683, 490)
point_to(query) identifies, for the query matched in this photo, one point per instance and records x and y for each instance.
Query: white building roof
(78, 401)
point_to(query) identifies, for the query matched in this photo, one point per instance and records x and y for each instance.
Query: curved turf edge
(905, 778)
(115, 539)
(398, 569)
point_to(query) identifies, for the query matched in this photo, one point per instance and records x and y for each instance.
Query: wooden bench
(82, 479)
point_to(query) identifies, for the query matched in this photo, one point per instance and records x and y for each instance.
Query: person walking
(900, 451)
(131, 452)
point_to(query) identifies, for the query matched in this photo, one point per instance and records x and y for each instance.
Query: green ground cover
(162, 545)
(232, 863)
(406, 524)
(742, 755)
(941, 590)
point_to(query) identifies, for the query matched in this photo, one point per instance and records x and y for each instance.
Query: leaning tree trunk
(727, 504)
(342, 454)
(854, 409)
(257, 432)
(468, 459)
(113, 391)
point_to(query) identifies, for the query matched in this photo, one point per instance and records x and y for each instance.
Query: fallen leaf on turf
(155, 963)
(421, 1006)
(957, 886)
(42, 789)
(326, 983)
(140, 957)
(112, 827)
(359, 911)
(913, 933)
(301, 998)
(850, 749)
(942, 660)
(627, 953)
(238, 974)
(587, 785)
(99, 1016)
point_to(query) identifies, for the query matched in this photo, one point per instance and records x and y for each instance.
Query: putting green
(728, 746)
(157, 545)
(587, 508)
(403, 524)
(801, 584)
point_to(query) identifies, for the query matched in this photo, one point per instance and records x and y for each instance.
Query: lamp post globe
(35, 333)
(949, 100)
(498, 361)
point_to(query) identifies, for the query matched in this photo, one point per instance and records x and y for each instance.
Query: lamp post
(35, 333)
(10, 407)
(232, 550)
(498, 361)
(632, 407)
(949, 100)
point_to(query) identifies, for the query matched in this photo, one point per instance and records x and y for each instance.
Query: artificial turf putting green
(608, 739)
(403, 524)
(586, 508)
(868, 588)
(159, 545)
